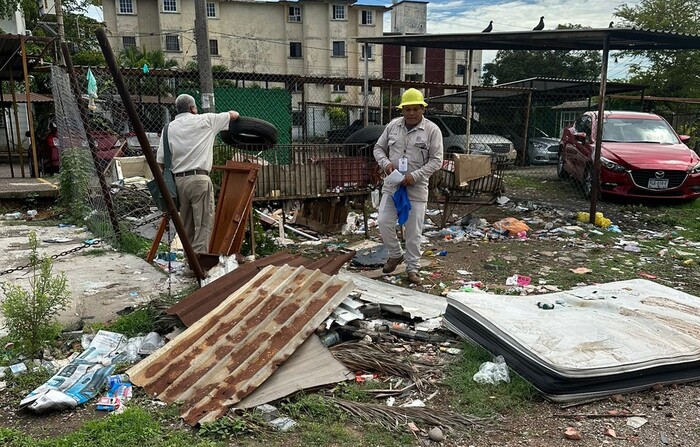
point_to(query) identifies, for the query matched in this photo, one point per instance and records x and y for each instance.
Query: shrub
(30, 315)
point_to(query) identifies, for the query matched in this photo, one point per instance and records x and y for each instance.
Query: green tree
(666, 72)
(513, 65)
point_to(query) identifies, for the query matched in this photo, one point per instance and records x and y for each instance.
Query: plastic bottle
(330, 338)
(31, 214)
(116, 379)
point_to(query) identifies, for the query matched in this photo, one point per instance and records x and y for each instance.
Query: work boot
(391, 264)
(413, 278)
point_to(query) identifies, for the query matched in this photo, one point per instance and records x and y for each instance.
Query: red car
(641, 157)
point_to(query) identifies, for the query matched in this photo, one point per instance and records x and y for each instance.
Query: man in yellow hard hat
(411, 145)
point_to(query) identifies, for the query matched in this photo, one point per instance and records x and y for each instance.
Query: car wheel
(361, 143)
(561, 171)
(249, 133)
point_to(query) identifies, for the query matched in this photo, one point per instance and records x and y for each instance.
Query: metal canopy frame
(597, 39)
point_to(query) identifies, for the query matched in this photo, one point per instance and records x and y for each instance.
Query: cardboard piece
(469, 167)
(129, 167)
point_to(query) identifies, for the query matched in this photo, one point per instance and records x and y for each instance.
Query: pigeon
(488, 28)
(611, 25)
(539, 25)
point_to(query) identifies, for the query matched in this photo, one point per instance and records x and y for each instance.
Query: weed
(264, 244)
(30, 316)
(225, 428)
(94, 252)
(312, 407)
(485, 400)
(138, 322)
(20, 385)
(74, 182)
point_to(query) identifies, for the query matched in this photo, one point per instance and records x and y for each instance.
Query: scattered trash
(57, 240)
(361, 378)
(581, 270)
(116, 397)
(18, 368)
(572, 434)
(511, 225)
(330, 338)
(518, 280)
(493, 372)
(453, 351)
(609, 431)
(636, 421)
(545, 306)
(150, 344)
(268, 412)
(74, 384)
(283, 423)
(31, 214)
(12, 216)
(599, 221)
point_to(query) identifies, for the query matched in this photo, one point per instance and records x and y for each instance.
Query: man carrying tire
(412, 145)
(191, 139)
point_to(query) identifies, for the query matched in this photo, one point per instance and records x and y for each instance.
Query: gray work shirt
(422, 145)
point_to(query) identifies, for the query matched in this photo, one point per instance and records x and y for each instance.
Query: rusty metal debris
(227, 354)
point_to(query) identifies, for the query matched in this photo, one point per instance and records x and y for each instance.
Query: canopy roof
(558, 39)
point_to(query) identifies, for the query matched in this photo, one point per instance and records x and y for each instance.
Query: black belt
(192, 172)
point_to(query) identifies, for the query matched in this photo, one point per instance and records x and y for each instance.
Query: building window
(460, 70)
(338, 88)
(294, 87)
(126, 7)
(369, 92)
(295, 13)
(367, 48)
(367, 18)
(172, 42)
(338, 12)
(339, 48)
(213, 47)
(211, 10)
(294, 49)
(169, 5)
(128, 42)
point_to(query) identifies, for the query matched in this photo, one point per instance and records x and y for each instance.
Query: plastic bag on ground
(493, 372)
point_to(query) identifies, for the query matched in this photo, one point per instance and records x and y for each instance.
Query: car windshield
(635, 130)
(458, 125)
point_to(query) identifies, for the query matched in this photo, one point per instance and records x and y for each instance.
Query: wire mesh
(325, 148)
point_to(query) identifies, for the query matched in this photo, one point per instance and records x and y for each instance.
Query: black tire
(561, 171)
(250, 134)
(366, 137)
(587, 184)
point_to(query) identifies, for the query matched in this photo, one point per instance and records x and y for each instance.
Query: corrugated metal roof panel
(228, 353)
(202, 301)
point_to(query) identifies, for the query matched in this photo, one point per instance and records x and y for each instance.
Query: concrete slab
(101, 280)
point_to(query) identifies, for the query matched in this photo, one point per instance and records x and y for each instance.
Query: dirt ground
(547, 256)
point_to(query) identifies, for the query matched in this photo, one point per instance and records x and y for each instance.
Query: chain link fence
(324, 148)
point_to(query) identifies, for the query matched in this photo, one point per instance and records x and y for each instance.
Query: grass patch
(22, 384)
(138, 322)
(133, 428)
(485, 400)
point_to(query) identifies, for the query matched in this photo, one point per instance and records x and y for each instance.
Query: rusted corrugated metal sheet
(227, 354)
(203, 300)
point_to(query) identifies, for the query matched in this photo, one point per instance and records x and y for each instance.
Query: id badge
(403, 165)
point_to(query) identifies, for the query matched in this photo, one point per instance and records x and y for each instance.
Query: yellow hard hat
(412, 97)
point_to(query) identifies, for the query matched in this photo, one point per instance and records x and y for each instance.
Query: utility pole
(201, 36)
(59, 26)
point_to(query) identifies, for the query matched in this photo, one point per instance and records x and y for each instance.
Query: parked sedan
(641, 157)
(541, 148)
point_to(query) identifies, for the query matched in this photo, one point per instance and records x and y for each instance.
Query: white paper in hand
(394, 178)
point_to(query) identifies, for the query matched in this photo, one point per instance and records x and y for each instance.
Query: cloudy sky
(467, 16)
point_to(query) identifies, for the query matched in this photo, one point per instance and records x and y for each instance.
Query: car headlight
(695, 169)
(611, 165)
(539, 145)
(479, 148)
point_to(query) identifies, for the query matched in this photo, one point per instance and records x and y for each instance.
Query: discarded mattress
(597, 340)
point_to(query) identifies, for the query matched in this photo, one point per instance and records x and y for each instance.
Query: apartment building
(304, 37)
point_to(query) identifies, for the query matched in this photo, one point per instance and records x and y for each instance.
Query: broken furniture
(468, 179)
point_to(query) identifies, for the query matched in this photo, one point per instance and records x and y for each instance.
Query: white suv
(454, 138)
